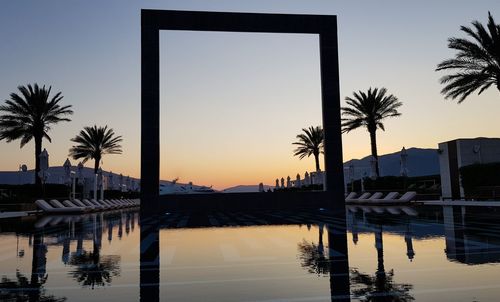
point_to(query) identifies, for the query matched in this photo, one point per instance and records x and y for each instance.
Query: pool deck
(13, 214)
(467, 203)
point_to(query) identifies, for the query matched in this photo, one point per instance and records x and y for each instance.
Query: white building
(463, 152)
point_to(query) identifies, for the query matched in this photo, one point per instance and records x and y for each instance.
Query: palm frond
(29, 113)
(476, 64)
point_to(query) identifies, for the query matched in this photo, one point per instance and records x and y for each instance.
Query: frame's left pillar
(150, 114)
(150, 158)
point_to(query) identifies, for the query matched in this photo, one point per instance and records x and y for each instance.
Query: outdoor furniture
(376, 195)
(69, 204)
(351, 196)
(46, 207)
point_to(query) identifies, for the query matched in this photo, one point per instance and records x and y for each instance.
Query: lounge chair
(46, 207)
(105, 203)
(394, 210)
(351, 196)
(378, 210)
(406, 197)
(86, 202)
(364, 197)
(388, 198)
(352, 208)
(409, 211)
(392, 197)
(69, 204)
(120, 203)
(376, 195)
(79, 203)
(112, 203)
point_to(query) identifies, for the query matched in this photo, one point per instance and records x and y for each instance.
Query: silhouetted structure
(325, 26)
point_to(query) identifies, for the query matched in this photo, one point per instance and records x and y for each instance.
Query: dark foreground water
(394, 254)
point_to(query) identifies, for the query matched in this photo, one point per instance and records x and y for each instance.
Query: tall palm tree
(369, 109)
(29, 115)
(310, 143)
(93, 143)
(477, 63)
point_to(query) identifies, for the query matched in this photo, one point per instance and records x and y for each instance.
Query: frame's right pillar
(330, 94)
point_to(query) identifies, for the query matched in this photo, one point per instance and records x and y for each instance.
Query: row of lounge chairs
(85, 205)
(376, 198)
(394, 210)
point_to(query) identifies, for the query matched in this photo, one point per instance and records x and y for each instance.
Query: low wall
(246, 201)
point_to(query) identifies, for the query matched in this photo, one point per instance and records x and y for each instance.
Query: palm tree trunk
(96, 165)
(38, 150)
(373, 141)
(316, 158)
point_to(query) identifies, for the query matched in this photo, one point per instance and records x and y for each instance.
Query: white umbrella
(67, 171)
(403, 162)
(110, 181)
(79, 174)
(297, 181)
(127, 183)
(120, 178)
(373, 167)
(351, 175)
(44, 165)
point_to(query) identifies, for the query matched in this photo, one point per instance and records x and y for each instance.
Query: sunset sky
(232, 104)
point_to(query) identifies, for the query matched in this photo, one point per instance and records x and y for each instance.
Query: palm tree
(369, 110)
(310, 142)
(477, 63)
(93, 143)
(30, 115)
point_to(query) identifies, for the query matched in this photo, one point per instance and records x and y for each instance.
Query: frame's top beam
(237, 22)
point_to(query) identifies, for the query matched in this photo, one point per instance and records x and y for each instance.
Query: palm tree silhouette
(381, 286)
(21, 289)
(477, 63)
(93, 143)
(369, 109)
(310, 143)
(364, 287)
(29, 115)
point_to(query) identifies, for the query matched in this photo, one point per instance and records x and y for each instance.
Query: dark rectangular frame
(152, 21)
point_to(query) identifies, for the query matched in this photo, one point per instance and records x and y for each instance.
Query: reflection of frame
(152, 21)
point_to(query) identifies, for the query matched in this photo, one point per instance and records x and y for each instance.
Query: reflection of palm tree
(95, 270)
(22, 289)
(313, 255)
(92, 269)
(381, 286)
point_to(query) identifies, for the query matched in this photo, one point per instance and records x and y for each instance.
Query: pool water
(387, 254)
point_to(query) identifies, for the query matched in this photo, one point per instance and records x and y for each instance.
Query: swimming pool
(387, 254)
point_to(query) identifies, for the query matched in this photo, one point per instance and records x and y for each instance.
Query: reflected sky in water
(394, 254)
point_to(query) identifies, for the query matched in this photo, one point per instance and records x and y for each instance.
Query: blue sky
(90, 51)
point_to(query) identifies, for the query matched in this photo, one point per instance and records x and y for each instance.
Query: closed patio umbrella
(67, 171)
(44, 165)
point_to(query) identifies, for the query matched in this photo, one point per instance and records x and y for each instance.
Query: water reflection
(391, 235)
(88, 267)
(471, 239)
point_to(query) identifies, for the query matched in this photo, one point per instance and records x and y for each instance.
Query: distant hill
(245, 189)
(420, 162)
